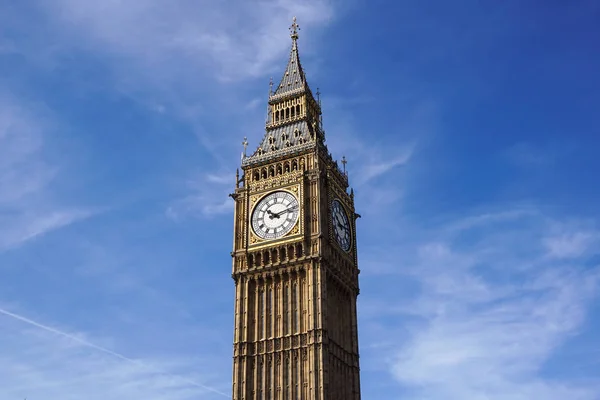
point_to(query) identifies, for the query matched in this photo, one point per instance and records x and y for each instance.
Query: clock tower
(294, 257)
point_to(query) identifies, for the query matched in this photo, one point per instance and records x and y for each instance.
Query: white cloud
(44, 362)
(207, 196)
(28, 207)
(489, 312)
(179, 38)
(377, 166)
(570, 244)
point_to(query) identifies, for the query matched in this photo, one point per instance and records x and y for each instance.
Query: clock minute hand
(284, 211)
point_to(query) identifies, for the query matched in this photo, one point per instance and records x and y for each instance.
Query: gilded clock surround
(295, 331)
(293, 234)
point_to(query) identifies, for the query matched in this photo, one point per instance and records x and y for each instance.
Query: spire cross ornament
(294, 28)
(344, 162)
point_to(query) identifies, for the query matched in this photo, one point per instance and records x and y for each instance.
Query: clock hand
(271, 214)
(284, 211)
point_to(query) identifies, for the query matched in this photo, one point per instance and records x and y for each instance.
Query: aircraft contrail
(107, 351)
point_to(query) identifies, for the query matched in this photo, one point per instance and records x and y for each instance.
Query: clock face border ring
(264, 217)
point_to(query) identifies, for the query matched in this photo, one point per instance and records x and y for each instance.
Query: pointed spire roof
(289, 133)
(293, 79)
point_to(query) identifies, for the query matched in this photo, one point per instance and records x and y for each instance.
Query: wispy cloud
(489, 310)
(378, 166)
(207, 196)
(18, 230)
(28, 206)
(187, 36)
(57, 364)
(565, 241)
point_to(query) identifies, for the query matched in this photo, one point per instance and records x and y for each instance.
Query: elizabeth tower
(294, 257)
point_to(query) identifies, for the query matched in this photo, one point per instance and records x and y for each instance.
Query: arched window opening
(299, 250)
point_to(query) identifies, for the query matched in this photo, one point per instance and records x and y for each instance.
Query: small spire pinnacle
(245, 144)
(271, 86)
(318, 96)
(344, 162)
(294, 28)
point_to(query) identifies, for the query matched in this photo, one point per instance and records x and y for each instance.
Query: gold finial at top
(294, 28)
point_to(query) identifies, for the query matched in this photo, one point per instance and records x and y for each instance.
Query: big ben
(295, 263)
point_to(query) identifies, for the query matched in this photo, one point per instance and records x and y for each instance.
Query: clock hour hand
(272, 214)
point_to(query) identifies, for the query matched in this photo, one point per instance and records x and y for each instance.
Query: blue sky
(472, 133)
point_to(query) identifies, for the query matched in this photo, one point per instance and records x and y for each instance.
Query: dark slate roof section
(293, 78)
(282, 140)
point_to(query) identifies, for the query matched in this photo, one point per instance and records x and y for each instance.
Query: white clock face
(341, 225)
(275, 215)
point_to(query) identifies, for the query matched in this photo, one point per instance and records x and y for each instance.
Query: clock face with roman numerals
(275, 215)
(341, 225)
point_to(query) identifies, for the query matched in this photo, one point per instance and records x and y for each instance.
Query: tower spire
(293, 114)
(293, 78)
